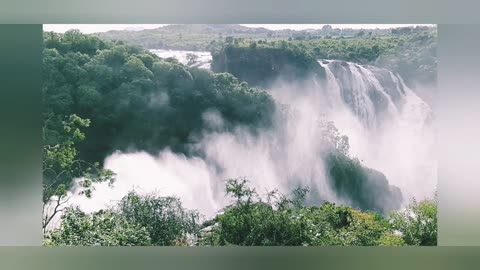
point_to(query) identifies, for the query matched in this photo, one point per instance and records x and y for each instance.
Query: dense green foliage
(135, 99)
(277, 219)
(103, 228)
(251, 220)
(135, 221)
(418, 223)
(164, 217)
(412, 56)
(200, 36)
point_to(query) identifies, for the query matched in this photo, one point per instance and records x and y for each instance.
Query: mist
(398, 140)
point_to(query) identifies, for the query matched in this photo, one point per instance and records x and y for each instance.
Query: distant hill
(197, 37)
(134, 28)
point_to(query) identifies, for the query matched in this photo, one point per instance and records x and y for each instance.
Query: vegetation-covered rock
(363, 187)
(261, 64)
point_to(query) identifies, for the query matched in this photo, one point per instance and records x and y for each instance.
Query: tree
(137, 220)
(418, 222)
(327, 29)
(278, 220)
(165, 219)
(61, 166)
(103, 228)
(361, 33)
(229, 40)
(253, 221)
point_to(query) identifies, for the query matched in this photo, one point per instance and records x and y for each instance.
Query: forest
(103, 95)
(410, 51)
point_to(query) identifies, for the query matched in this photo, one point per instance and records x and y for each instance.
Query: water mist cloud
(289, 154)
(167, 174)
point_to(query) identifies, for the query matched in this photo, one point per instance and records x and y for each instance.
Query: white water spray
(387, 125)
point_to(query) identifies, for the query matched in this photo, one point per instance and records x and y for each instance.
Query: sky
(95, 28)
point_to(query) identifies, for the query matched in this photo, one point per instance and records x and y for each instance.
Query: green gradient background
(245, 11)
(239, 258)
(20, 143)
(459, 133)
(21, 135)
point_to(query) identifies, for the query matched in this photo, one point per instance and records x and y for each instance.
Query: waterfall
(389, 129)
(371, 93)
(197, 59)
(396, 134)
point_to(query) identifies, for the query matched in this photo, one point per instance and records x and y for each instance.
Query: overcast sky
(94, 28)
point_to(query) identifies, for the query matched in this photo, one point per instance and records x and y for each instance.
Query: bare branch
(56, 210)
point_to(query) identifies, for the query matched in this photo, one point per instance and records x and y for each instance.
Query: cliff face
(261, 66)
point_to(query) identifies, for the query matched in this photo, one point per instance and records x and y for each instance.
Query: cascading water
(190, 58)
(396, 134)
(388, 126)
(371, 93)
